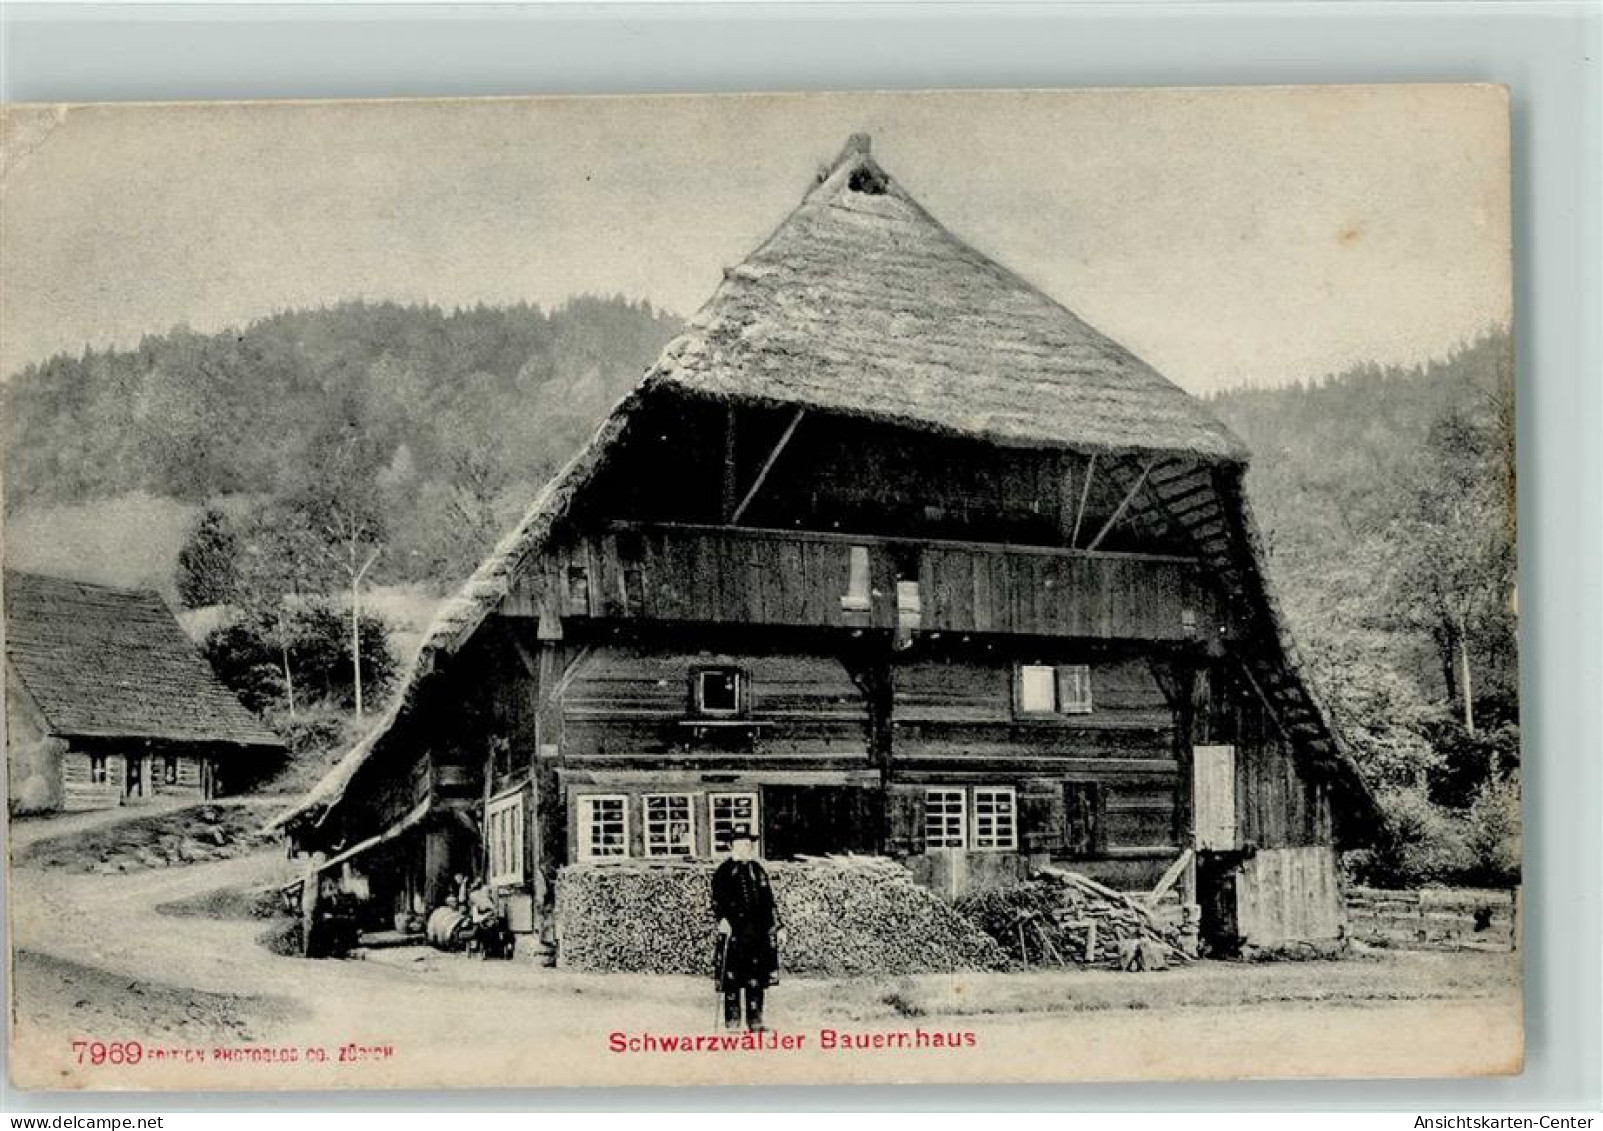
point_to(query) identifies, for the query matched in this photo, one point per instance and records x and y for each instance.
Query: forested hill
(1349, 472)
(456, 417)
(1385, 496)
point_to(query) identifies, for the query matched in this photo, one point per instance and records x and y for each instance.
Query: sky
(1245, 236)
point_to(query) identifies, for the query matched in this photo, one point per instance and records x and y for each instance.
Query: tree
(341, 501)
(1453, 570)
(208, 562)
(281, 566)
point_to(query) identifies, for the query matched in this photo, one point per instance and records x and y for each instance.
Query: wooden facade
(923, 627)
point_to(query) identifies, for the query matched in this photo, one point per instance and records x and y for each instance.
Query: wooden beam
(1085, 494)
(1124, 503)
(730, 487)
(568, 672)
(768, 465)
(1181, 863)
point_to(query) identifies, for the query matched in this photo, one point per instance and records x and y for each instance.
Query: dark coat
(741, 894)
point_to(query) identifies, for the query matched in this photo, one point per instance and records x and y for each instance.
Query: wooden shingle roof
(114, 663)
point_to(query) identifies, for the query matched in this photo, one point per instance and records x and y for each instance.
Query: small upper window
(1045, 689)
(719, 691)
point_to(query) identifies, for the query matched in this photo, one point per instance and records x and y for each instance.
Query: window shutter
(907, 819)
(1074, 689)
(1042, 816)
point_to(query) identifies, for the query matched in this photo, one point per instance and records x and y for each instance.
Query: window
(719, 691)
(995, 817)
(670, 825)
(945, 818)
(97, 769)
(169, 770)
(1045, 689)
(729, 811)
(603, 826)
(503, 834)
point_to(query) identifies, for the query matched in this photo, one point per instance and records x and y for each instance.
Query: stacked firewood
(1062, 918)
(844, 915)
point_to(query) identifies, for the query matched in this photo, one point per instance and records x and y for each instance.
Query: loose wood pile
(1061, 917)
(844, 915)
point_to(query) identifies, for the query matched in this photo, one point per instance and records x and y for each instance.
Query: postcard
(927, 587)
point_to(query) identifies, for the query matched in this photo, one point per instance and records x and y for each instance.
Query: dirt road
(203, 988)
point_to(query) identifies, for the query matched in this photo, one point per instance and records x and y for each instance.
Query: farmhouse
(888, 553)
(108, 703)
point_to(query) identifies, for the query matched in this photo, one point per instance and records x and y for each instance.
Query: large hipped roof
(861, 302)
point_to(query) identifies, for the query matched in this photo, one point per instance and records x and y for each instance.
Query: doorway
(133, 776)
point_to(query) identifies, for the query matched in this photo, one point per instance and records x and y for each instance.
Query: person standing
(749, 931)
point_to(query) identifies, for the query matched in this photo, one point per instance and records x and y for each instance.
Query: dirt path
(448, 1019)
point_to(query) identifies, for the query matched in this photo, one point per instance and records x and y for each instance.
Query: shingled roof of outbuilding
(114, 663)
(861, 302)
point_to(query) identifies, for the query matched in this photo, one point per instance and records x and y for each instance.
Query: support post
(730, 488)
(871, 670)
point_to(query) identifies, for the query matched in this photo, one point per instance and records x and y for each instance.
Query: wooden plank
(980, 575)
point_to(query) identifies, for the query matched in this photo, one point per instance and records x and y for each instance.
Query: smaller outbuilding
(108, 703)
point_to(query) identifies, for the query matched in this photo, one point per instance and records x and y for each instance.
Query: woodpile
(1061, 918)
(844, 915)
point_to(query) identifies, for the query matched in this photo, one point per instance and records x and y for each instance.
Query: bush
(862, 917)
(1494, 833)
(1422, 843)
(248, 656)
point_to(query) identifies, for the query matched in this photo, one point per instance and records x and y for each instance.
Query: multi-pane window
(603, 826)
(1047, 689)
(995, 817)
(503, 822)
(169, 770)
(946, 818)
(719, 691)
(669, 824)
(97, 769)
(728, 812)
